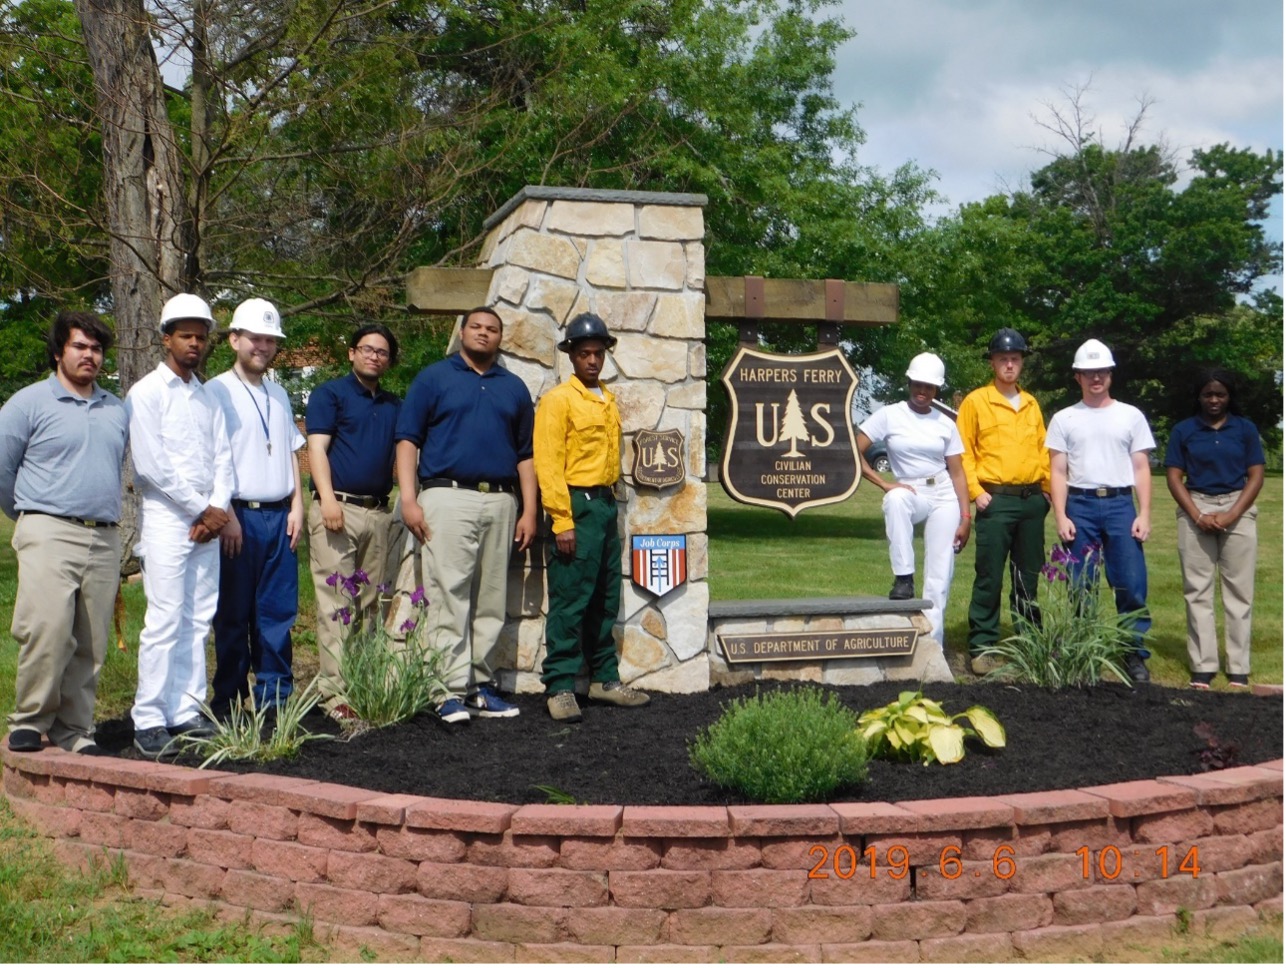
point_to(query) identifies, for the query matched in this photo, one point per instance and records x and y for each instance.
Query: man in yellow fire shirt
(577, 444)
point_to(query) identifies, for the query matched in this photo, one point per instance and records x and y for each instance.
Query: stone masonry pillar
(637, 259)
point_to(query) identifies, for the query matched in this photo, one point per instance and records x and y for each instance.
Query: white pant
(181, 581)
(938, 507)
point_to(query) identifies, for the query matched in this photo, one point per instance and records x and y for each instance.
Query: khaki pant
(368, 542)
(68, 575)
(465, 565)
(1232, 553)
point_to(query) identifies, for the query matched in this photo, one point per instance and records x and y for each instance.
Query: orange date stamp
(845, 862)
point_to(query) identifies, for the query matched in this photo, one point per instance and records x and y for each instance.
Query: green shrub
(793, 746)
(1080, 637)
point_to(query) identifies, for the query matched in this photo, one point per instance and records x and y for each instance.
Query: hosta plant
(914, 728)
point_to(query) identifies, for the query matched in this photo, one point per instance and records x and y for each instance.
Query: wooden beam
(803, 301)
(430, 289)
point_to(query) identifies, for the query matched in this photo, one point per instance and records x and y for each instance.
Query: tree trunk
(143, 192)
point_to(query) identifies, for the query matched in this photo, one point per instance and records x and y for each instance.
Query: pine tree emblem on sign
(658, 458)
(790, 442)
(659, 562)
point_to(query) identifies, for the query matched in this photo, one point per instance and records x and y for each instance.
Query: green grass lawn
(841, 550)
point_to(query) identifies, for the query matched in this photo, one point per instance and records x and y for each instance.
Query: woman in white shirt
(924, 451)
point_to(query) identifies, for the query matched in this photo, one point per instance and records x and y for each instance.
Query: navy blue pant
(1105, 522)
(258, 604)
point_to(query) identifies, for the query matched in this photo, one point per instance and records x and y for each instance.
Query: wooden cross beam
(746, 300)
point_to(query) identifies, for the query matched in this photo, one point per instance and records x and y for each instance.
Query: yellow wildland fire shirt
(577, 443)
(1002, 445)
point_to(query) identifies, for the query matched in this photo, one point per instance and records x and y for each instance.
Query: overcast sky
(958, 85)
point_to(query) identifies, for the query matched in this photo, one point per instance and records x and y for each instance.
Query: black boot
(903, 587)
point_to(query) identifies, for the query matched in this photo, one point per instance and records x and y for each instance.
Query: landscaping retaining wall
(1035, 876)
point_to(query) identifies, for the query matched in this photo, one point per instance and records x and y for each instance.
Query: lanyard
(263, 420)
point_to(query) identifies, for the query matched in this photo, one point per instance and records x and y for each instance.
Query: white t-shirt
(260, 475)
(918, 443)
(1098, 442)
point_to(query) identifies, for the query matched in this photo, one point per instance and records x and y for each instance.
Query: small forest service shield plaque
(659, 562)
(790, 442)
(658, 458)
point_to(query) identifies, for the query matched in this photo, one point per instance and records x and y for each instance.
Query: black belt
(1100, 491)
(358, 500)
(485, 487)
(598, 490)
(1013, 490)
(262, 505)
(83, 522)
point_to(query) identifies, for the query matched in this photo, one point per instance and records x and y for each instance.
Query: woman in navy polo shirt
(1214, 466)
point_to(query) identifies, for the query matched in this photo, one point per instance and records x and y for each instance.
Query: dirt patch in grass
(1073, 738)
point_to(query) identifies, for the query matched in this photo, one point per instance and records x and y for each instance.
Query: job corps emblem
(790, 442)
(658, 458)
(659, 562)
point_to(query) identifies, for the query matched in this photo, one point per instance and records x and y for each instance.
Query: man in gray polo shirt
(61, 445)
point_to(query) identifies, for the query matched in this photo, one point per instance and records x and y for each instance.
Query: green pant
(584, 596)
(1011, 527)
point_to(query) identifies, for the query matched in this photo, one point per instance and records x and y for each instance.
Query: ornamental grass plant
(790, 746)
(1080, 637)
(260, 734)
(389, 677)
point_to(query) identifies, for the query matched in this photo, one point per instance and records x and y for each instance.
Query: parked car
(877, 454)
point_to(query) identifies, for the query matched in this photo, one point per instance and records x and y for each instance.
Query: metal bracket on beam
(828, 332)
(754, 310)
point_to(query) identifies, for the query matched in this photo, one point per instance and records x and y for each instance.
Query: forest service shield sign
(790, 442)
(658, 458)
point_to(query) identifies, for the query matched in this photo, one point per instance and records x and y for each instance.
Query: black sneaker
(152, 742)
(198, 727)
(25, 741)
(1136, 668)
(903, 588)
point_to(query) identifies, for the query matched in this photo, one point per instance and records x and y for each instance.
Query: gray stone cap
(784, 607)
(556, 193)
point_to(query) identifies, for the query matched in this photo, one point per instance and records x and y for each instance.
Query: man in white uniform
(924, 451)
(183, 469)
(259, 582)
(1098, 458)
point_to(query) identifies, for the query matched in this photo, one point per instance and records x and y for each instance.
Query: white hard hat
(258, 316)
(186, 306)
(1093, 355)
(927, 368)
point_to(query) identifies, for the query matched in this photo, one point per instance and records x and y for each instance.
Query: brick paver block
(470, 816)
(191, 879)
(1082, 942)
(424, 917)
(104, 829)
(110, 771)
(1247, 818)
(182, 781)
(557, 887)
(1176, 827)
(1008, 912)
(441, 846)
(293, 861)
(816, 820)
(89, 796)
(465, 951)
(356, 944)
(1265, 845)
(563, 954)
(759, 888)
(1139, 797)
(388, 810)
(1224, 921)
(616, 854)
(141, 804)
(772, 954)
(1095, 904)
(339, 906)
(676, 822)
(921, 850)
(1182, 891)
(912, 922)
(519, 924)
(616, 926)
(333, 800)
(1266, 689)
(1271, 765)
(875, 818)
(271, 791)
(872, 953)
(959, 813)
(567, 820)
(334, 833)
(667, 954)
(463, 882)
(699, 926)
(667, 890)
(821, 925)
(1212, 791)
(372, 872)
(1055, 806)
(508, 850)
(993, 844)
(199, 810)
(1260, 782)
(220, 847)
(1250, 885)
(51, 821)
(716, 853)
(162, 839)
(31, 763)
(963, 879)
(55, 762)
(975, 949)
(1122, 938)
(861, 888)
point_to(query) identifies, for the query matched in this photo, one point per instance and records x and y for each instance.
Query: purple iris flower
(344, 615)
(333, 580)
(418, 597)
(407, 626)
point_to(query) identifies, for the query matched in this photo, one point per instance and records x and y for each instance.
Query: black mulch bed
(1073, 738)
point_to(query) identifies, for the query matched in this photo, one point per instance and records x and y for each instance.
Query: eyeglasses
(373, 351)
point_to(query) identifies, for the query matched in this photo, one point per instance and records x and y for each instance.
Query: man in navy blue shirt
(350, 424)
(470, 420)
